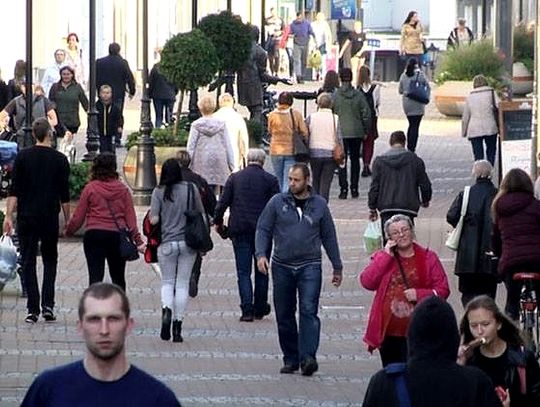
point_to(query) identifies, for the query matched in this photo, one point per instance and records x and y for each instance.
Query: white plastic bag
(8, 259)
(373, 237)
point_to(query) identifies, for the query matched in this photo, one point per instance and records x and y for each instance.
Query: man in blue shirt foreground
(104, 377)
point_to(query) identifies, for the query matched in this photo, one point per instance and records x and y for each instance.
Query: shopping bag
(8, 259)
(373, 237)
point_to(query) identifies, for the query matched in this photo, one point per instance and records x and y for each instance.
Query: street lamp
(145, 175)
(28, 92)
(433, 54)
(92, 137)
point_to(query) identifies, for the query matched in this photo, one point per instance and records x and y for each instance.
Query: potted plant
(523, 57)
(456, 70)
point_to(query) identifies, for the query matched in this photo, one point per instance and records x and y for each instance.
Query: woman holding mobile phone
(401, 274)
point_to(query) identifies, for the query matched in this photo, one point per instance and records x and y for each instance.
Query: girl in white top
(74, 58)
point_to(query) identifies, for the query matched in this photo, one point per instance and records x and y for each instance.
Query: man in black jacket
(399, 182)
(209, 202)
(113, 70)
(246, 193)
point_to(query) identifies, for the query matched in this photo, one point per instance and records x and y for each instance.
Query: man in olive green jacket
(355, 121)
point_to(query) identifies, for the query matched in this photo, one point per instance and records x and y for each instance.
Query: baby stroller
(8, 152)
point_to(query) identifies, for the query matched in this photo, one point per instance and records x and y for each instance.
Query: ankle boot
(177, 331)
(166, 316)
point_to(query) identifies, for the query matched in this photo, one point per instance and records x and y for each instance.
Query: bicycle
(529, 316)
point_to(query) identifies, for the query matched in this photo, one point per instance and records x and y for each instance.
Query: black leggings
(412, 132)
(101, 245)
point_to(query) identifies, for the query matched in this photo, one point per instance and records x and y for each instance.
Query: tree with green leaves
(189, 61)
(232, 40)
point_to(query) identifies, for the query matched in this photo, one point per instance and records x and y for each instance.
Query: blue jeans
(244, 254)
(282, 164)
(478, 148)
(297, 342)
(163, 106)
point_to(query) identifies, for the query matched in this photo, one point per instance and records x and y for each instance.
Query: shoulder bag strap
(113, 215)
(188, 202)
(335, 128)
(292, 119)
(465, 201)
(401, 271)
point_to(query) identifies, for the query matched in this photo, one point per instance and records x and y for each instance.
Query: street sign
(343, 9)
(374, 43)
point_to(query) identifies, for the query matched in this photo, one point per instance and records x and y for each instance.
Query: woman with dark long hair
(372, 93)
(330, 83)
(170, 200)
(411, 41)
(516, 234)
(492, 343)
(102, 200)
(413, 109)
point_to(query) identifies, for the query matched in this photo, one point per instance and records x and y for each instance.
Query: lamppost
(28, 92)
(145, 175)
(92, 138)
(194, 113)
(433, 54)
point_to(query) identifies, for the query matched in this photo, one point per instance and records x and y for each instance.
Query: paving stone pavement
(224, 361)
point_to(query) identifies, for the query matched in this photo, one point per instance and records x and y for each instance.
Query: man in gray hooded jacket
(399, 182)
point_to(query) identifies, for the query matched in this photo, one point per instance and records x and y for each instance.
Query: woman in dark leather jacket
(513, 369)
(473, 265)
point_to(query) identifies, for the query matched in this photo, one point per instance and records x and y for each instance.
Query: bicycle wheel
(530, 330)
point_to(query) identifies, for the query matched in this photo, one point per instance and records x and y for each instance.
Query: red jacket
(93, 208)
(377, 275)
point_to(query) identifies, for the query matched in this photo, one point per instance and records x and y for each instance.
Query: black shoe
(177, 331)
(48, 314)
(288, 369)
(265, 312)
(366, 172)
(31, 318)
(354, 193)
(247, 317)
(166, 318)
(309, 366)
(343, 194)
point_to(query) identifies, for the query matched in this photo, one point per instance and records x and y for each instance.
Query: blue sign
(372, 42)
(343, 9)
(309, 5)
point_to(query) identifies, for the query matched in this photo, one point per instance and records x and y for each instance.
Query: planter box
(522, 79)
(130, 163)
(450, 97)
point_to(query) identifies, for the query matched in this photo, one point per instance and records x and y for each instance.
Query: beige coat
(478, 115)
(280, 127)
(411, 39)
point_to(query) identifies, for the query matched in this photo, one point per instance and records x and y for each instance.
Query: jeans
(176, 260)
(251, 301)
(322, 173)
(477, 144)
(101, 245)
(163, 106)
(300, 59)
(300, 341)
(282, 164)
(352, 153)
(412, 132)
(31, 231)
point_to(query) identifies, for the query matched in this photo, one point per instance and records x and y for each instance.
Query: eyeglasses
(402, 231)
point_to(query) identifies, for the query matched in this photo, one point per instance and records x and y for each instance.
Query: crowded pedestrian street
(223, 361)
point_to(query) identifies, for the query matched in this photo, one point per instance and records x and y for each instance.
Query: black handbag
(300, 144)
(419, 90)
(197, 233)
(128, 248)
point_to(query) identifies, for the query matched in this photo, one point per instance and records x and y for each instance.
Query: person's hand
(8, 225)
(337, 279)
(410, 294)
(425, 204)
(262, 265)
(286, 81)
(141, 248)
(119, 130)
(390, 247)
(504, 395)
(373, 216)
(68, 136)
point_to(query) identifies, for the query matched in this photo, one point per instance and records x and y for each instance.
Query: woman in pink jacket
(401, 274)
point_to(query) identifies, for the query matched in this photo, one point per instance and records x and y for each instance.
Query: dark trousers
(322, 173)
(119, 103)
(163, 108)
(368, 145)
(300, 341)
(513, 292)
(106, 144)
(477, 144)
(31, 231)
(412, 132)
(387, 215)
(101, 245)
(393, 350)
(352, 154)
(474, 284)
(253, 298)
